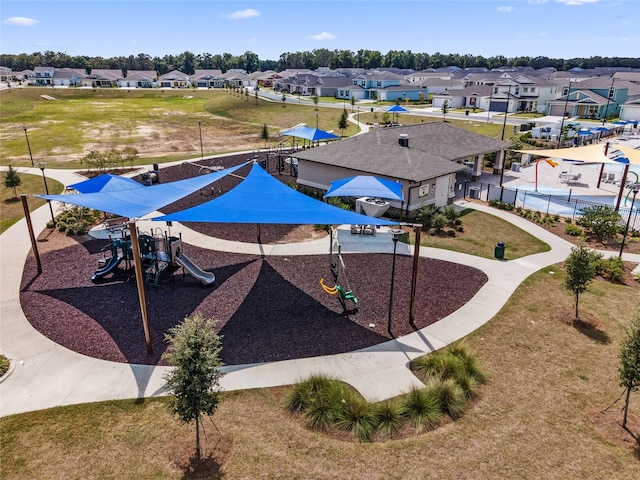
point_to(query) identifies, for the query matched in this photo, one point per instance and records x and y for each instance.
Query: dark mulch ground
(268, 309)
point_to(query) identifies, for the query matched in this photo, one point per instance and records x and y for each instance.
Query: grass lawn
(161, 124)
(481, 232)
(541, 415)
(11, 209)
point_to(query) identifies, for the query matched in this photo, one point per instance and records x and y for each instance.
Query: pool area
(558, 201)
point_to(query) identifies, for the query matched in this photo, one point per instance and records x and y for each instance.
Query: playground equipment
(338, 269)
(160, 254)
(150, 177)
(120, 250)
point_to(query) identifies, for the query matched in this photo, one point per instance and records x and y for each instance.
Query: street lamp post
(46, 189)
(504, 123)
(566, 101)
(24, 127)
(609, 95)
(396, 235)
(200, 128)
(626, 230)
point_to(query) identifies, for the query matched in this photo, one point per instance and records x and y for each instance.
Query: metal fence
(563, 205)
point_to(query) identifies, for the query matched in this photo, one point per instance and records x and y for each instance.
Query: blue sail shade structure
(262, 199)
(105, 183)
(397, 109)
(365, 186)
(139, 200)
(309, 133)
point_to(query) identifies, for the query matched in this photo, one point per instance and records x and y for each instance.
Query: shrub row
(451, 378)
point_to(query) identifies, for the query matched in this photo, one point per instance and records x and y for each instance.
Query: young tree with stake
(194, 352)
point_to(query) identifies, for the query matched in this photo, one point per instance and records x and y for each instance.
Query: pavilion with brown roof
(424, 158)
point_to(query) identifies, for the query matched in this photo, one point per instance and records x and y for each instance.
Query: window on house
(612, 93)
(495, 90)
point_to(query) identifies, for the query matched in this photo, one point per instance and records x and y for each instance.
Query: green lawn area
(11, 209)
(542, 414)
(79, 120)
(481, 232)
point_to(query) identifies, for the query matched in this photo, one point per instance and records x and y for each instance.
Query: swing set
(339, 270)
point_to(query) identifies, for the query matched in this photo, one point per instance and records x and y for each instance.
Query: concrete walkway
(45, 374)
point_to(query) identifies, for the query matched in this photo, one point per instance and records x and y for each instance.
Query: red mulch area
(268, 309)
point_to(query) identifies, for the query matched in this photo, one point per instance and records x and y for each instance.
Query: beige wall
(321, 176)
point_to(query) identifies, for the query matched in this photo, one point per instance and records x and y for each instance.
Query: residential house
(591, 98)
(208, 79)
(102, 78)
(67, 77)
(424, 158)
(630, 111)
(174, 79)
(139, 79)
(382, 86)
(477, 96)
(42, 77)
(236, 78)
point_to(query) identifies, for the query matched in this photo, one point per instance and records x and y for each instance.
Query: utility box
(474, 192)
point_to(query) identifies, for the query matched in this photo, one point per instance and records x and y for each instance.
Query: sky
(268, 28)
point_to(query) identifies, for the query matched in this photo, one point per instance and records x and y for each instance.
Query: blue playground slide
(111, 265)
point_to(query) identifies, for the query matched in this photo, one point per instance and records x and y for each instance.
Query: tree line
(188, 62)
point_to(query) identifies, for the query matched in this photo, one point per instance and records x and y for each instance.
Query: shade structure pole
(414, 275)
(34, 244)
(600, 177)
(623, 182)
(137, 262)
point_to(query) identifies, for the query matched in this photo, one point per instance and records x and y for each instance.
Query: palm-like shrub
(422, 408)
(303, 393)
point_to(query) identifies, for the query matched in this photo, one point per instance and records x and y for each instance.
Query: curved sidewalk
(46, 374)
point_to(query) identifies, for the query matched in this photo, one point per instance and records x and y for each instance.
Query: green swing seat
(347, 295)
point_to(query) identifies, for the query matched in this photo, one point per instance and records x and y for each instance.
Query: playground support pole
(414, 275)
(135, 246)
(34, 244)
(623, 182)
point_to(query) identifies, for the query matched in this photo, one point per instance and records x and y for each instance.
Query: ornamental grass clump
(357, 416)
(422, 408)
(390, 417)
(451, 397)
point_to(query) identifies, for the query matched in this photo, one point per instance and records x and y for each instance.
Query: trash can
(499, 250)
(515, 166)
(466, 112)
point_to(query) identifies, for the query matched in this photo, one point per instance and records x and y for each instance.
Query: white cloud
(322, 36)
(242, 14)
(505, 9)
(21, 21)
(576, 2)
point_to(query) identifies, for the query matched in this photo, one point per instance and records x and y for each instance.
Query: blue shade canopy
(365, 186)
(260, 198)
(397, 109)
(139, 200)
(105, 183)
(309, 133)
(601, 129)
(585, 132)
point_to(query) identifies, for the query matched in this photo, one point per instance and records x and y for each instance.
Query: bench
(116, 224)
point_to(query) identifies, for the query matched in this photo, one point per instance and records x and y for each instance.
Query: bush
(611, 268)
(432, 231)
(573, 230)
(5, 363)
(452, 398)
(451, 213)
(422, 408)
(390, 416)
(601, 220)
(460, 228)
(357, 417)
(501, 205)
(439, 221)
(424, 216)
(451, 232)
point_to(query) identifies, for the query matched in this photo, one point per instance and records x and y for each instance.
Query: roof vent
(403, 140)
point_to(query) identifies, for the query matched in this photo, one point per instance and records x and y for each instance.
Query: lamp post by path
(24, 127)
(41, 165)
(564, 113)
(200, 128)
(396, 235)
(626, 230)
